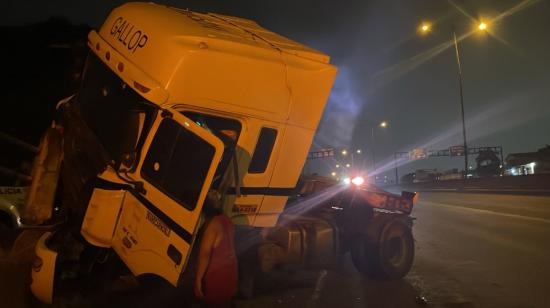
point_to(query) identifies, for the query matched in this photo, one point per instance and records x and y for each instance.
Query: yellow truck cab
(175, 107)
(161, 89)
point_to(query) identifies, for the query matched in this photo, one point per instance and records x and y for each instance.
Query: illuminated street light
(348, 165)
(358, 151)
(382, 124)
(482, 26)
(337, 166)
(333, 173)
(344, 152)
(425, 27)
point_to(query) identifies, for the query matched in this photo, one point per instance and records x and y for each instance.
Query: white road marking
(458, 207)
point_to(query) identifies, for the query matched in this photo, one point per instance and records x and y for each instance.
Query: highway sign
(457, 150)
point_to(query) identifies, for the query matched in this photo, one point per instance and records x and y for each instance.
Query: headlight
(358, 181)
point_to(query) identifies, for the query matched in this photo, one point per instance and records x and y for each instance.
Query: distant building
(407, 178)
(488, 164)
(451, 174)
(382, 180)
(425, 175)
(528, 163)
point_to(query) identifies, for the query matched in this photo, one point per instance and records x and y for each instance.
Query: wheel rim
(395, 251)
(396, 248)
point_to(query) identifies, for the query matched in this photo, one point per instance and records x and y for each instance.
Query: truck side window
(177, 163)
(263, 150)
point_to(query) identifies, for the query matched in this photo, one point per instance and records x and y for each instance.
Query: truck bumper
(43, 270)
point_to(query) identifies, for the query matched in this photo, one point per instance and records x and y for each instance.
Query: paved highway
(486, 250)
(472, 250)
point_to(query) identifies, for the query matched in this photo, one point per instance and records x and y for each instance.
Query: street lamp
(382, 124)
(481, 26)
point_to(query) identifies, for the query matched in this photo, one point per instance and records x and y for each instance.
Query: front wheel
(391, 257)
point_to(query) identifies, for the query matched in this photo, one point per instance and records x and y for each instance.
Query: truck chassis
(326, 222)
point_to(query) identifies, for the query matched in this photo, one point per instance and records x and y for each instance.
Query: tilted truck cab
(176, 107)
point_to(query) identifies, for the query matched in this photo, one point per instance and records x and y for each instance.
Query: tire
(391, 257)
(363, 256)
(247, 285)
(248, 272)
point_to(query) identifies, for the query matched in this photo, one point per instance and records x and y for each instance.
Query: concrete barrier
(536, 184)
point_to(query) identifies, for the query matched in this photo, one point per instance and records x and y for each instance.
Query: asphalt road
(484, 250)
(472, 250)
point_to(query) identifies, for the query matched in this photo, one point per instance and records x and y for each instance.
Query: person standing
(216, 277)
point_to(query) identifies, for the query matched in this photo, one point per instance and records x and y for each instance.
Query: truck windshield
(118, 116)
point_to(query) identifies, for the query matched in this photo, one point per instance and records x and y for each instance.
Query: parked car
(11, 197)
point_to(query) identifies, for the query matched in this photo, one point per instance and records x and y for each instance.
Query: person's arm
(205, 250)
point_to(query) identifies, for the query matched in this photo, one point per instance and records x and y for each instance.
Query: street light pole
(461, 106)
(373, 150)
(382, 124)
(397, 155)
(482, 26)
(395, 165)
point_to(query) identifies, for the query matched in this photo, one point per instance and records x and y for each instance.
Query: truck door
(157, 226)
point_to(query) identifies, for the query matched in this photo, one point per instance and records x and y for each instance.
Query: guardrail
(535, 184)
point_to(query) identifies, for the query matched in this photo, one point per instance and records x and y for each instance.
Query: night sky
(387, 71)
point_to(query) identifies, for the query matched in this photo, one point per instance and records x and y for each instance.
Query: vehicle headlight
(358, 181)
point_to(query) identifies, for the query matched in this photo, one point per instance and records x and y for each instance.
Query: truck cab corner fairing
(135, 77)
(102, 216)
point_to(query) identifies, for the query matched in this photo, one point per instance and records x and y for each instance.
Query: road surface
(472, 250)
(486, 250)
